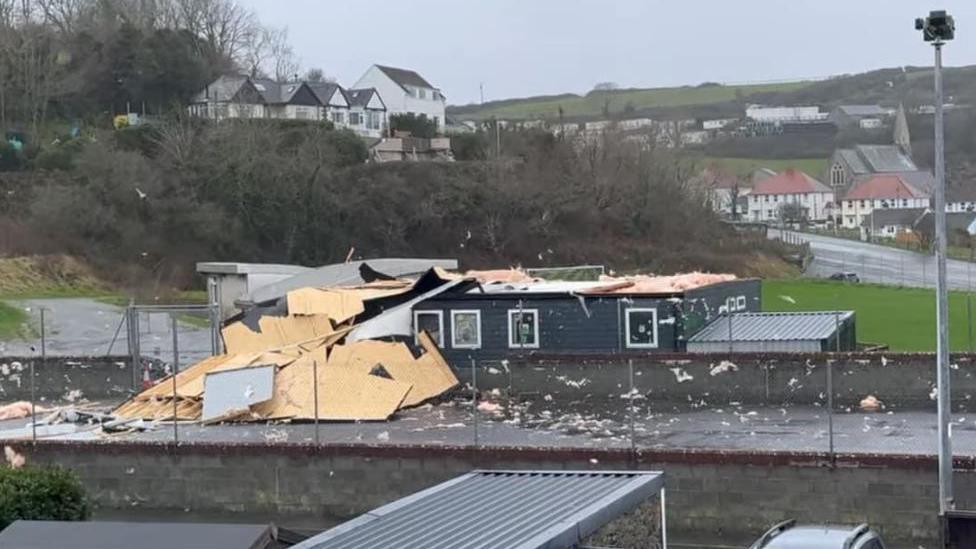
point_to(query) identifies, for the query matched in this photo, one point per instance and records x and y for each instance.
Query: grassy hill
(909, 85)
(634, 99)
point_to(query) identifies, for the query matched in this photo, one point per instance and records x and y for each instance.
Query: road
(878, 264)
(88, 327)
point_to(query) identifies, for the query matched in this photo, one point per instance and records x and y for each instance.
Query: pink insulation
(644, 284)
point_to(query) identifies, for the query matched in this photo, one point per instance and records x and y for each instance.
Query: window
(339, 117)
(373, 120)
(863, 204)
(303, 113)
(904, 203)
(466, 329)
(422, 93)
(523, 329)
(437, 122)
(355, 119)
(431, 322)
(641, 328)
(837, 175)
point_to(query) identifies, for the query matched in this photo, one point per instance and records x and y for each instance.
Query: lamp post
(939, 28)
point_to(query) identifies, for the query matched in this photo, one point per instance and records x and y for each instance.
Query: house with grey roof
(405, 92)
(889, 223)
(851, 166)
(858, 116)
(367, 112)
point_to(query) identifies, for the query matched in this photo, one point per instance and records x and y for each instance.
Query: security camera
(938, 26)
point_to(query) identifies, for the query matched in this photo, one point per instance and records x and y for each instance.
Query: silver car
(787, 535)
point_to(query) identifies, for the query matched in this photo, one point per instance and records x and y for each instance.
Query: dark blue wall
(566, 326)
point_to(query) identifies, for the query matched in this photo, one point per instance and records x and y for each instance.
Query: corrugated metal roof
(885, 158)
(862, 110)
(498, 509)
(773, 326)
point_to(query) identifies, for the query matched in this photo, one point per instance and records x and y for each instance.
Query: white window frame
(440, 326)
(627, 341)
(512, 344)
(454, 341)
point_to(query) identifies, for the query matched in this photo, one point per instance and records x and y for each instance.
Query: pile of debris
(316, 354)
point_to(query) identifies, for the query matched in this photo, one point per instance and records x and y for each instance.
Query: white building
(363, 111)
(770, 196)
(761, 113)
(405, 92)
(879, 192)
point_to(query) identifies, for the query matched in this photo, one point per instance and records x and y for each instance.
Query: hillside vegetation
(910, 85)
(143, 205)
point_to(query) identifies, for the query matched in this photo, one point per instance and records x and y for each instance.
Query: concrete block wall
(722, 495)
(901, 380)
(104, 377)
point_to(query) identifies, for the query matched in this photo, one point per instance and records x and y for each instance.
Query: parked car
(845, 277)
(787, 535)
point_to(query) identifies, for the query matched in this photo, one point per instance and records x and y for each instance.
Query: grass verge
(13, 321)
(902, 318)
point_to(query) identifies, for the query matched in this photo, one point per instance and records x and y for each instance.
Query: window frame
(627, 343)
(454, 342)
(535, 325)
(358, 121)
(440, 325)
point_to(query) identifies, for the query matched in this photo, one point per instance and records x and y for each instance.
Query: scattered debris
(681, 375)
(788, 299)
(14, 459)
(870, 403)
(723, 367)
(16, 410)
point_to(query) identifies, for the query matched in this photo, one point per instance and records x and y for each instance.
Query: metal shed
(801, 332)
(500, 509)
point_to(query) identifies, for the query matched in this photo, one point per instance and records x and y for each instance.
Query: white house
(405, 92)
(367, 112)
(771, 195)
(879, 192)
(333, 103)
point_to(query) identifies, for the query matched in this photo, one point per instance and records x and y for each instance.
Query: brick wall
(718, 495)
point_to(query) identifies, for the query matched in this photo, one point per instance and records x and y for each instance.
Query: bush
(11, 159)
(60, 156)
(41, 493)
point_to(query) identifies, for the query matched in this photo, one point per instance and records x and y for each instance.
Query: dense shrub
(41, 493)
(10, 158)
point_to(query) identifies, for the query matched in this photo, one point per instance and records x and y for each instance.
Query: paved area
(81, 326)
(880, 264)
(452, 423)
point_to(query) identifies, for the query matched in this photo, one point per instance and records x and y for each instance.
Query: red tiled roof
(790, 182)
(883, 187)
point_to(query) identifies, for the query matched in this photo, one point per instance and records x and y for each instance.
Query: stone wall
(901, 380)
(718, 495)
(55, 378)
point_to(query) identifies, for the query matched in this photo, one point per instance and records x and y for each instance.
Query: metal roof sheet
(885, 158)
(862, 110)
(498, 509)
(344, 274)
(773, 326)
(28, 534)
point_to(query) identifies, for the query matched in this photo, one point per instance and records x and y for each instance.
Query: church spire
(902, 138)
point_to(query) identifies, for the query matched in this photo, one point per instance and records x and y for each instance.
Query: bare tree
(269, 54)
(226, 27)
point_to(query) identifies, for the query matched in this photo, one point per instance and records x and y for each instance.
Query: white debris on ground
(723, 367)
(574, 383)
(681, 375)
(788, 299)
(14, 459)
(870, 403)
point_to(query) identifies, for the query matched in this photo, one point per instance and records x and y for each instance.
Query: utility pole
(938, 28)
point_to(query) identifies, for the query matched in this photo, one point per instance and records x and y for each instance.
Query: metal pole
(730, 331)
(633, 440)
(946, 499)
(43, 336)
(474, 398)
(830, 388)
(33, 405)
(664, 520)
(176, 370)
(315, 395)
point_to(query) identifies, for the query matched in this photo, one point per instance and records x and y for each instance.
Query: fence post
(315, 395)
(731, 344)
(33, 401)
(43, 336)
(474, 398)
(176, 371)
(830, 387)
(631, 395)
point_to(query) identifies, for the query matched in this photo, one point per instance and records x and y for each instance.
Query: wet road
(87, 327)
(879, 264)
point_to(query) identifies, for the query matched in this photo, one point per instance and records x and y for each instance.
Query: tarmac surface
(879, 264)
(88, 327)
(799, 428)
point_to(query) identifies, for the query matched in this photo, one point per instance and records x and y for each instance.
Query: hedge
(41, 493)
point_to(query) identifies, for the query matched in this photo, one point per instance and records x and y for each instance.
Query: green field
(902, 318)
(12, 320)
(814, 167)
(593, 104)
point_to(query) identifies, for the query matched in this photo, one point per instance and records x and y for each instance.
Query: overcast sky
(519, 48)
